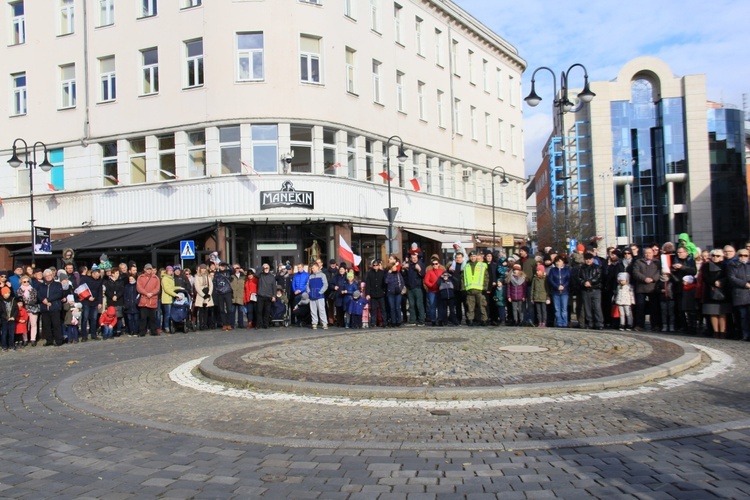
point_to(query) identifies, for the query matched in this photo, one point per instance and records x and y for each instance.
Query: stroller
(280, 312)
(179, 316)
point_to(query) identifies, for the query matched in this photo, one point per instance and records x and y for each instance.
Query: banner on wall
(42, 241)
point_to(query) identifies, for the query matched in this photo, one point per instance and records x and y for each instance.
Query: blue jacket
(394, 282)
(338, 281)
(357, 306)
(299, 281)
(317, 286)
(559, 276)
(53, 292)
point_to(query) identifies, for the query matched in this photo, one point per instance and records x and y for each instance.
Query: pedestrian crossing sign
(187, 249)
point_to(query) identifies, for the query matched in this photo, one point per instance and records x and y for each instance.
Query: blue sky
(691, 36)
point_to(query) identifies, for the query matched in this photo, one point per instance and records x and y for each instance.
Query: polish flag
(112, 178)
(346, 253)
(51, 186)
(416, 183)
(248, 169)
(388, 176)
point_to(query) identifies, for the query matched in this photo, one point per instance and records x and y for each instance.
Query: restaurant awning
(446, 239)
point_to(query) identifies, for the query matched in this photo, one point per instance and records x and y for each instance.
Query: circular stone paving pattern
(418, 358)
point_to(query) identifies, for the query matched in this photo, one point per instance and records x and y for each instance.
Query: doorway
(275, 258)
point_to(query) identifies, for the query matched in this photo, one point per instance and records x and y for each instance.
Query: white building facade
(158, 115)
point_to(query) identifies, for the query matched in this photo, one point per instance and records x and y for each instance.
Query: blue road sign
(187, 249)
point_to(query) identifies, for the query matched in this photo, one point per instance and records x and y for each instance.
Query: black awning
(143, 238)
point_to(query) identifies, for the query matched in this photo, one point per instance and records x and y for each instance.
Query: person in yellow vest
(476, 284)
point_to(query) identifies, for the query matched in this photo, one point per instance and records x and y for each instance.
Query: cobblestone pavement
(104, 420)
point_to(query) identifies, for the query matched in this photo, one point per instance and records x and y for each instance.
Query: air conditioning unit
(466, 175)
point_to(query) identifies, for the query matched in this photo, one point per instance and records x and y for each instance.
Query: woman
(204, 301)
(559, 286)
(716, 296)
(338, 284)
(394, 284)
(27, 293)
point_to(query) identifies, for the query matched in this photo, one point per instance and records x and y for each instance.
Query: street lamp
(503, 182)
(562, 105)
(391, 211)
(46, 166)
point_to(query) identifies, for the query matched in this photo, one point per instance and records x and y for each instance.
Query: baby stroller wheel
(286, 322)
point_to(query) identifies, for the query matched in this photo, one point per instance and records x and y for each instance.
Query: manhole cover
(444, 340)
(524, 348)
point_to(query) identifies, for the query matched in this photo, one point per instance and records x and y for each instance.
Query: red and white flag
(389, 175)
(51, 186)
(248, 169)
(112, 178)
(346, 253)
(416, 183)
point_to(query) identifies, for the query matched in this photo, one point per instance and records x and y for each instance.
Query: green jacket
(539, 292)
(167, 289)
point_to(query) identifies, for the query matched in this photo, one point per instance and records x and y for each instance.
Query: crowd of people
(678, 287)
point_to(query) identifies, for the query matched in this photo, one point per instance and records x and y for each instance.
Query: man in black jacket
(266, 295)
(413, 272)
(375, 289)
(590, 283)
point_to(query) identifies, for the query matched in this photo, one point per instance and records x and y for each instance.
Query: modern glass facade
(726, 134)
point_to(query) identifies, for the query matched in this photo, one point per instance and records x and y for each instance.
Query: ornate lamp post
(503, 182)
(46, 166)
(391, 211)
(562, 105)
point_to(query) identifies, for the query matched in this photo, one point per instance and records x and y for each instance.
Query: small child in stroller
(280, 308)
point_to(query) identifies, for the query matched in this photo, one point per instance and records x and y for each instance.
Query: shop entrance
(277, 257)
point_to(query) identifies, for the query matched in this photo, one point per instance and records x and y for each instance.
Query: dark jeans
(147, 320)
(447, 310)
(650, 307)
(394, 301)
(89, 319)
(263, 312)
(377, 305)
(131, 321)
(745, 321)
(416, 305)
(224, 305)
(250, 306)
(238, 316)
(52, 327)
(8, 329)
(592, 304)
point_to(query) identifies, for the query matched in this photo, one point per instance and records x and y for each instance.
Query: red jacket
(251, 286)
(432, 278)
(22, 321)
(109, 318)
(148, 284)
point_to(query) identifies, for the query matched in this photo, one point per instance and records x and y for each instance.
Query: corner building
(197, 120)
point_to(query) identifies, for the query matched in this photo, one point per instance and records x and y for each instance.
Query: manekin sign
(287, 197)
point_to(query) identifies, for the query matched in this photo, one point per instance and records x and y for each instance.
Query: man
(50, 305)
(590, 284)
(223, 296)
(167, 297)
(317, 286)
(456, 269)
(739, 279)
(576, 262)
(730, 255)
(375, 289)
(413, 272)
(528, 266)
(299, 285)
(491, 262)
(266, 296)
(476, 284)
(330, 299)
(91, 305)
(15, 279)
(148, 286)
(683, 265)
(646, 274)
(610, 285)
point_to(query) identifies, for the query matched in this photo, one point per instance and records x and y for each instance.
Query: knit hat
(4, 289)
(62, 275)
(170, 268)
(540, 268)
(580, 247)
(623, 277)
(148, 266)
(349, 275)
(356, 294)
(516, 266)
(688, 280)
(524, 248)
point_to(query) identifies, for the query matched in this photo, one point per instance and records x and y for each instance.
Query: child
(517, 294)
(8, 312)
(317, 286)
(540, 295)
(130, 307)
(667, 302)
(72, 319)
(366, 310)
(278, 306)
(356, 310)
(499, 298)
(447, 295)
(347, 291)
(108, 321)
(22, 324)
(624, 298)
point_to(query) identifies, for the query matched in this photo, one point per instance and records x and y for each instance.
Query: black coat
(375, 283)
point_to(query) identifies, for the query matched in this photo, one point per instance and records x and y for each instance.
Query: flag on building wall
(416, 183)
(389, 175)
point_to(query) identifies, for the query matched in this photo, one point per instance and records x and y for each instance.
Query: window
(487, 129)
(249, 57)
(196, 150)
(67, 17)
(473, 122)
(194, 52)
(441, 108)
(471, 67)
(511, 90)
(400, 97)
(375, 15)
(438, 47)
(108, 90)
(67, 86)
(420, 100)
(499, 83)
(313, 2)
(150, 62)
(19, 94)
(428, 180)
(109, 164)
(369, 160)
(454, 56)
(457, 115)
(138, 160)
(376, 94)
(330, 163)
(167, 158)
(397, 24)
(265, 148)
(351, 155)
(57, 174)
(418, 33)
(106, 12)
(441, 177)
(486, 75)
(301, 142)
(148, 8)
(349, 8)
(309, 59)
(18, 23)
(500, 135)
(513, 146)
(350, 70)
(192, 3)
(229, 145)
